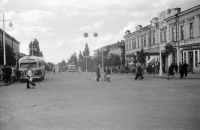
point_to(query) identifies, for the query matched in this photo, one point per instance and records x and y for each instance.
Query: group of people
(152, 68)
(7, 73)
(107, 73)
(182, 69)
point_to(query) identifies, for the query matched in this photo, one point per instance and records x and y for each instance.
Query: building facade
(180, 29)
(9, 40)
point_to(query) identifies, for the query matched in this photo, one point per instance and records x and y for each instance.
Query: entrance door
(190, 61)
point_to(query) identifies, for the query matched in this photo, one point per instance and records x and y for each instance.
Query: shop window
(173, 58)
(182, 32)
(184, 56)
(196, 59)
(191, 30)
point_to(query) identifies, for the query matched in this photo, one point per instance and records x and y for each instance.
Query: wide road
(70, 101)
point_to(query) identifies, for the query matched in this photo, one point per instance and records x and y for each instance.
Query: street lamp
(86, 35)
(153, 24)
(4, 39)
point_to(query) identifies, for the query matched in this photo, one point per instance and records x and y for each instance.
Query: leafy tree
(86, 51)
(141, 56)
(169, 49)
(34, 48)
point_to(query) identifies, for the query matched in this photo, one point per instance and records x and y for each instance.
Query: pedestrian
(176, 67)
(171, 70)
(98, 73)
(107, 74)
(54, 70)
(29, 78)
(4, 74)
(1, 72)
(153, 69)
(9, 72)
(139, 72)
(185, 66)
(79, 70)
(163, 67)
(181, 69)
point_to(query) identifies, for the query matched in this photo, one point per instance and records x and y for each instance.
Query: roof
(9, 36)
(27, 58)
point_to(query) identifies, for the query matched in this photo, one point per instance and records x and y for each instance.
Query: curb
(165, 77)
(6, 84)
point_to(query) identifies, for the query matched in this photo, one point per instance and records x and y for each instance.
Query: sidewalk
(4, 84)
(176, 76)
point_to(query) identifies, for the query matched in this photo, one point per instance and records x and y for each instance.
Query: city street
(65, 101)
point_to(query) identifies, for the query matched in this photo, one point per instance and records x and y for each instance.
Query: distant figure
(181, 69)
(9, 72)
(171, 70)
(29, 78)
(79, 70)
(98, 73)
(185, 65)
(176, 67)
(139, 72)
(54, 70)
(163, 67)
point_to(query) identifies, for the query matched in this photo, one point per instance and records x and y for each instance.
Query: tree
(169, 49)
(141, 56)
(34, 48)
(86, 51)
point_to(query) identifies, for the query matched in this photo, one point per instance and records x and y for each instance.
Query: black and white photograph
(99, 65)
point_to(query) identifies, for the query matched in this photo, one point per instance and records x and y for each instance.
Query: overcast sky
(59, 25)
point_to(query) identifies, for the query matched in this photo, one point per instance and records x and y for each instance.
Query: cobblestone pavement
(76, 101)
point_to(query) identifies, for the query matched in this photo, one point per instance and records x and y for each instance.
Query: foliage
(86, 51)
(34, 48)
(141, 56)
(169, 49)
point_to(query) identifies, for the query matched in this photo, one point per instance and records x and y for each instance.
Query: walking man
(139, 72)
(98, 72)
(185, 65)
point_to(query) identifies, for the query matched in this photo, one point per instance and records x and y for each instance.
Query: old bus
(37, 65)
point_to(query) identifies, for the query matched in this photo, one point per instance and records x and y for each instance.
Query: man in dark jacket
(139, 72)
(185, 65)
(4, 74)
(98, 72)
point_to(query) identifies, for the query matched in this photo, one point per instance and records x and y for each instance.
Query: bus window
(31, 65)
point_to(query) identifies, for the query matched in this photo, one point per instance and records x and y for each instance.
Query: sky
(59, 25)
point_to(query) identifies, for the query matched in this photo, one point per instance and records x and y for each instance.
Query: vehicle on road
(71, 68)
(37, 65)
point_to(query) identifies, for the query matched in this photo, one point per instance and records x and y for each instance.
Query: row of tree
(108, 59)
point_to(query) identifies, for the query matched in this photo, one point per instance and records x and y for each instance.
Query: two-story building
(180, 29)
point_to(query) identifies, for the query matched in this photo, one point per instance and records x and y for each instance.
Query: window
(199, 26)
(161, 38)
(173, 34)
(132, 44)
(174, 57)
(153, 38)
(165, 36)
(191, 30)
(126, 46)
(149, 40)
(138, 43)
(182, 32)
(144, 41)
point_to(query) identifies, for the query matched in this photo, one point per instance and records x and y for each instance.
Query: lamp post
(4, 38)
(86, 35)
